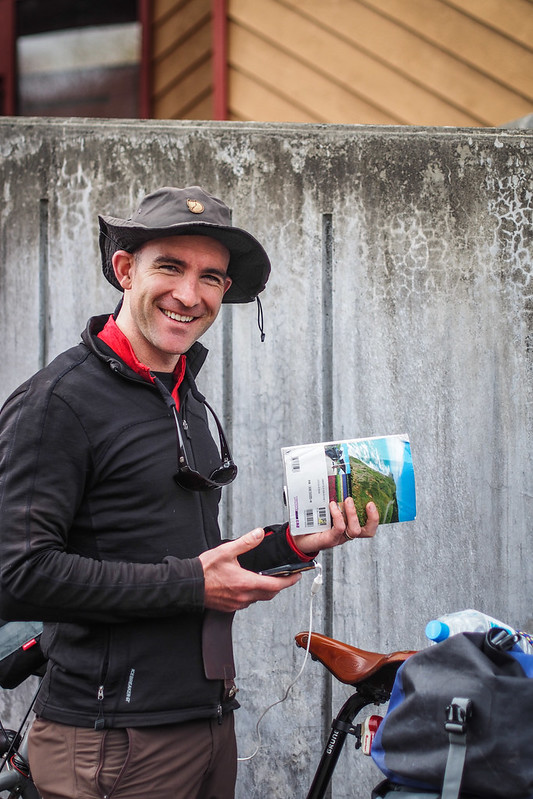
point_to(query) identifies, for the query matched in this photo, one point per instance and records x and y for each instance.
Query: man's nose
(187, 291)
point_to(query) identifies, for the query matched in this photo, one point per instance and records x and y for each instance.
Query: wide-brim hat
(190, 211)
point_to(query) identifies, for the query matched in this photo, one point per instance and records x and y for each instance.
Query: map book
(377, 469)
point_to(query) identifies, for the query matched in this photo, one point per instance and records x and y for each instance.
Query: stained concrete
(400, 301)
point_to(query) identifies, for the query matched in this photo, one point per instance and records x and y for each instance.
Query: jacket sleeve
(45, 466)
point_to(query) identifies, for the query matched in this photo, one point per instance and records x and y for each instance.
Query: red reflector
(29, 644)
(369, 727)
(374, 722)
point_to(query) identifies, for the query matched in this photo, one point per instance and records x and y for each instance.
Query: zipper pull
(186, 428)
(99, 723)
(219, 714)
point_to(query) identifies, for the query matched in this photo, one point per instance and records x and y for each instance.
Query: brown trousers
(194, 760)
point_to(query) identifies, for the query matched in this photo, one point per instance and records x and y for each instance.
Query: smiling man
(110, 485)
(173, 288)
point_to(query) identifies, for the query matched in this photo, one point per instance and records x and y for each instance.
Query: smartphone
(289, 568)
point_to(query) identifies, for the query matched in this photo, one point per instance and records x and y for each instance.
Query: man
(110, 484)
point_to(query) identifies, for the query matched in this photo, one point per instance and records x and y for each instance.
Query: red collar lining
(113, 336)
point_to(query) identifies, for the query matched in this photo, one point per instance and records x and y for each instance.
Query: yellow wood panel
(163, 8)
(347, 66)
(440, 72)
(197, 47)
(178, 27)
(484, 48)
(184, 94)
(201, 110)
(250, 101)
(297, 83)
(514, 18)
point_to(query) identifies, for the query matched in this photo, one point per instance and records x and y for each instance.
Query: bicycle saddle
(348, 664)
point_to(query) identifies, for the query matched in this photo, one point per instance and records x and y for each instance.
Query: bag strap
(457, 714)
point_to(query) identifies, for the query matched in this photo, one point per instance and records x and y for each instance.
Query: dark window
(78, 58)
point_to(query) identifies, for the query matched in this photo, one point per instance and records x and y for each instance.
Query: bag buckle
(502, 639)
(457, 714)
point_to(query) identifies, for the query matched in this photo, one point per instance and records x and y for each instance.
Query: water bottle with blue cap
(472, 621)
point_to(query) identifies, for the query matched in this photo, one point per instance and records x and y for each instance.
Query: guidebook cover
(377, 469)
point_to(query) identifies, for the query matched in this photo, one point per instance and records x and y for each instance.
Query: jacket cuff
(301, 555)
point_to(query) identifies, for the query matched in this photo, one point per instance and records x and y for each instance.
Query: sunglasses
(189, 478)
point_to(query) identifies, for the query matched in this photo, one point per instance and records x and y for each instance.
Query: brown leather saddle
(349, 664)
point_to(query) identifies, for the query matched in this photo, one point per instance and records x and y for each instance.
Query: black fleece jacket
(99, 542)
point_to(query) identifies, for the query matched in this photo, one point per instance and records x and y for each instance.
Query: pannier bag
(20, 651)
(387, 790)
(460, 721)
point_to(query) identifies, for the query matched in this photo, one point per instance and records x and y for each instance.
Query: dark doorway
(78, 58)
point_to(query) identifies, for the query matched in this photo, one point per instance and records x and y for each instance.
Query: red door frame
(220, 59)
(144, 13)
(7, 58)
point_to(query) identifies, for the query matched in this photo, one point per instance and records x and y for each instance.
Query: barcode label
(295, 464)
(322, 517)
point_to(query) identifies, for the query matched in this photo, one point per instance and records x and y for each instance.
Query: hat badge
(195, 206)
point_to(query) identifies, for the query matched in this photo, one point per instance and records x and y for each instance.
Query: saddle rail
(351, 665)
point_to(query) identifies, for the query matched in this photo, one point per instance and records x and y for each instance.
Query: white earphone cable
(317, 582)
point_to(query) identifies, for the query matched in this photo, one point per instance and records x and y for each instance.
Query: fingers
(244, 543)
(267, 588)
(346, 522)
(371, 526)
(229, 587)
(337, 515)
(229, 551)
(241, 589)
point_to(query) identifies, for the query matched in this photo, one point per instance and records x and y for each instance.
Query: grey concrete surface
(400, 301)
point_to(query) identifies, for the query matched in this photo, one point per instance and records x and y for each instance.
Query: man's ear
(227, 284)
(123, 263)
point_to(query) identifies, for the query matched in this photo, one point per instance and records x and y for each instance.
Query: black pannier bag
(460, 721)
(20, 652)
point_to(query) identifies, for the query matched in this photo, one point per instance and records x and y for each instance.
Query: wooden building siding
(417, 62)
(181, 67)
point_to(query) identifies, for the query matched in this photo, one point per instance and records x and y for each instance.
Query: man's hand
(345, 527)
(228, 586)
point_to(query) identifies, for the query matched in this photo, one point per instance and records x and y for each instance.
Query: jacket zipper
(182, 412)
(99, 722)
(186, 429)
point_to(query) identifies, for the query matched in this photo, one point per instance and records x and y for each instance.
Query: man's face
(173, 289)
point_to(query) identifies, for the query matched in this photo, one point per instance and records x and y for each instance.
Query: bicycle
(371, 673)
(15, 775)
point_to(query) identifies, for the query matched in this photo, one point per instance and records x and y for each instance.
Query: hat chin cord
(260, 319)
(260, 316)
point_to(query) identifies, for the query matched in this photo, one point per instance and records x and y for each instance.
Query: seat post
(341, 726)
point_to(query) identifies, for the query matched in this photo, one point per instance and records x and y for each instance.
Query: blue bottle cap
(437, 631)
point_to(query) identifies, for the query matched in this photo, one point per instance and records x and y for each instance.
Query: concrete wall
(401, 301)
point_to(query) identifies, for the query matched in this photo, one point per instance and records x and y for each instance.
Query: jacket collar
(196, 355)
